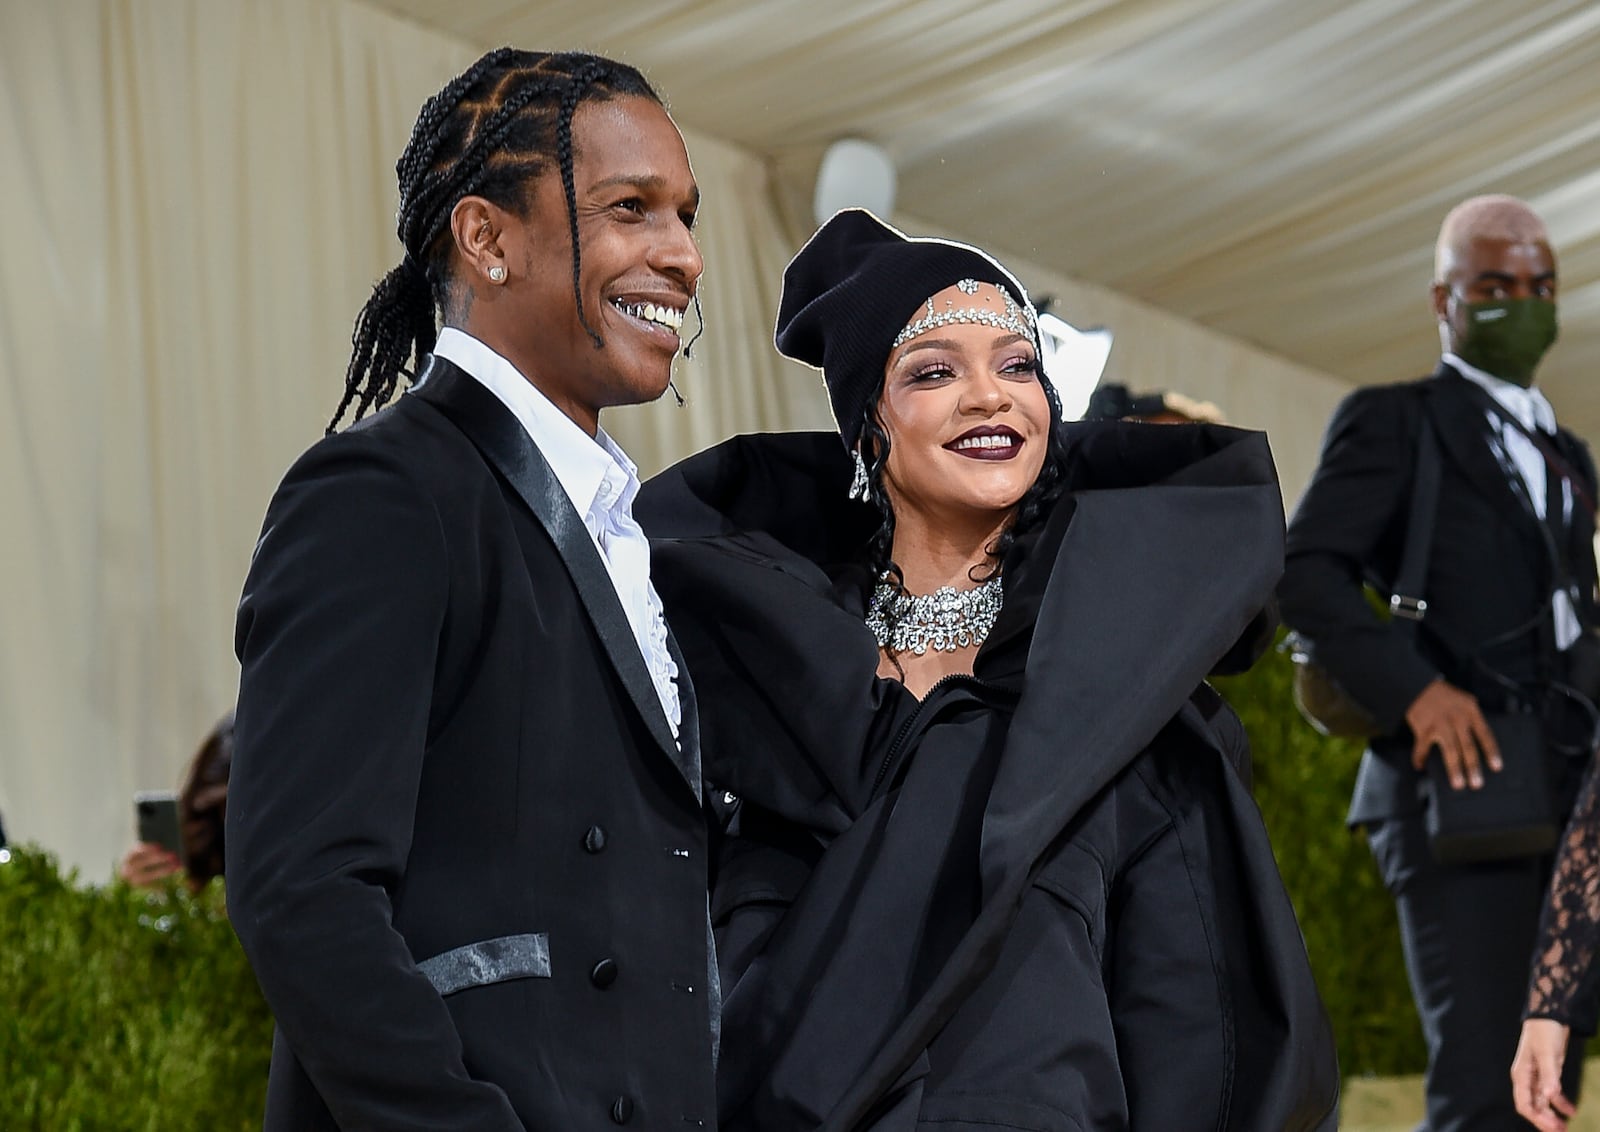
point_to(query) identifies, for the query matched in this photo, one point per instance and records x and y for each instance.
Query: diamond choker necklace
(945, 620)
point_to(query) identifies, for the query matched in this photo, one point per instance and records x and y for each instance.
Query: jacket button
(603, 974)
(595, 839)
(621, 1110)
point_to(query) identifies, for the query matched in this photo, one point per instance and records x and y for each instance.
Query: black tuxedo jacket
(1490, 570)
(465, 855)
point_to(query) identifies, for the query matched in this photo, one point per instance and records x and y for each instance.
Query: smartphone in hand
(156, 812)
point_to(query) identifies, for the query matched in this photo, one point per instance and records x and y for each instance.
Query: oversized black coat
(1039, 899)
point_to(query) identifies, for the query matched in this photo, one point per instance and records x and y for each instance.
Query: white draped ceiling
(1273, 169)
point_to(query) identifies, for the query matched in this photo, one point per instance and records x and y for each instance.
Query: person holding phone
(183, 832)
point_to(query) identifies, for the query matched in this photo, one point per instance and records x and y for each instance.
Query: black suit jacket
(1489, 569)
(465, 856)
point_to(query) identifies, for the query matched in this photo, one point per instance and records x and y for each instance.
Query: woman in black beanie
(989, 857)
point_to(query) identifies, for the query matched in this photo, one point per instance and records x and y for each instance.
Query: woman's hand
(1536, 1075)
(146, 864)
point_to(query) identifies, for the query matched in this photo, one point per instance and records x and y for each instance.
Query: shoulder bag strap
(1406, 603)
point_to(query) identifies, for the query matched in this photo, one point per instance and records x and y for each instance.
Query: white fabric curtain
(198, 195)
(1154, 351)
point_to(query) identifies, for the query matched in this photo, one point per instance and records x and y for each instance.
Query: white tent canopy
(1273, 169)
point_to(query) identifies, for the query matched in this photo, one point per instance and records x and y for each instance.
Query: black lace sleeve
(1569, 927)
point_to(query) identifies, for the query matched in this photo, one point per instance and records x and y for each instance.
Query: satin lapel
(1580, 531)
(688, 747)
(506, 445)
(1572, 450)
(1463, 430)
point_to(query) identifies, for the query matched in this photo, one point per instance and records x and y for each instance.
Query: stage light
(1073, 361)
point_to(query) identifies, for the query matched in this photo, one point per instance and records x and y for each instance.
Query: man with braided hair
(1496, 629)
(466, 843)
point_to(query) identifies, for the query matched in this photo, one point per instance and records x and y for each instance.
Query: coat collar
(737, 526)
(506, 445)
(1157, 582)
(780, 500)
(1165, 548)
(1455, 406)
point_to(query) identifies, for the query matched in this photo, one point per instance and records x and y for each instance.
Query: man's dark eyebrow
(642, 181)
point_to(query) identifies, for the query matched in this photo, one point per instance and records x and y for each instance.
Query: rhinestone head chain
(993, 307)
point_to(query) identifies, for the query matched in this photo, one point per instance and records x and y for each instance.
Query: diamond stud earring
(497, 274)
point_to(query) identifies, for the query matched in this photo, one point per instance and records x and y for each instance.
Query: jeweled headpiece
(983, 312)
(849, 293)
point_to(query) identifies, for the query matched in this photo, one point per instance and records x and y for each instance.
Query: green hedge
(124, 1009)
(135, 1010)
(1302, 783)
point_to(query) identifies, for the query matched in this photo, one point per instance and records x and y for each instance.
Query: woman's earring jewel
(858, 486)
(497, 274)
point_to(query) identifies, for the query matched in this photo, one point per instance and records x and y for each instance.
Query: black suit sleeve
(338, 633)
(1362, 484)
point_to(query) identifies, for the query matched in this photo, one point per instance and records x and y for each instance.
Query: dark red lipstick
(988, 442)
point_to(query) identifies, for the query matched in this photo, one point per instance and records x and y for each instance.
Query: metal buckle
(1411, 608)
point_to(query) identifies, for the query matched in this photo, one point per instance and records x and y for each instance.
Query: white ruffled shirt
(601, 482)
(1520, 457)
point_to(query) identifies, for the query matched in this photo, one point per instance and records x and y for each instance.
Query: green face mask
(1507, 338)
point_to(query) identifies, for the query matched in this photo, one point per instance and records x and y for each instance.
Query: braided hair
(490, 132)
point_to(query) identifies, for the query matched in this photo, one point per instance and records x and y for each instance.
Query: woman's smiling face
(966, 415)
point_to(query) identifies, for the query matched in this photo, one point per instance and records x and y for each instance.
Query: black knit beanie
(853, 288)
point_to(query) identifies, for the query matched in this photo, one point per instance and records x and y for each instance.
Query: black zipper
(926, 705)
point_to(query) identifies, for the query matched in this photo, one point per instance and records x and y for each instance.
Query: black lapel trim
(1581, 531)
(689, 724)
(1463, 431)
(501, 438)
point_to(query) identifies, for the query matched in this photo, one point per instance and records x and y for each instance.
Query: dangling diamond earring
(858, 486)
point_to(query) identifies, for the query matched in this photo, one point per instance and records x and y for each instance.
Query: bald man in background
(1509, 590)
